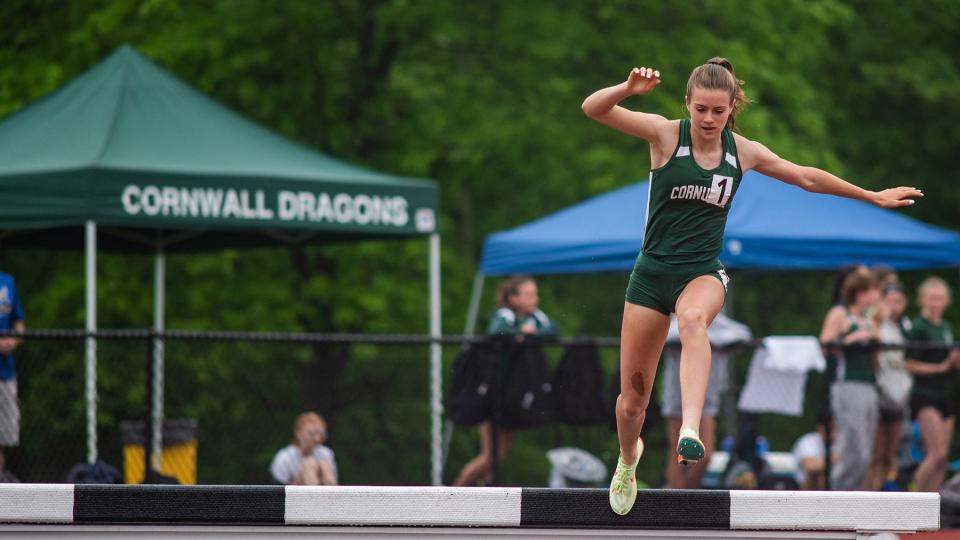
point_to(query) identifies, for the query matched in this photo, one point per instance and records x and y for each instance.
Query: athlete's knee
(692, 321)
(632, 406)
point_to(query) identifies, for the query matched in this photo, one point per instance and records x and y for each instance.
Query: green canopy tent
(129, 156)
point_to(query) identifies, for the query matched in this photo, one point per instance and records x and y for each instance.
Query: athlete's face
(526, 300)
(709, 111)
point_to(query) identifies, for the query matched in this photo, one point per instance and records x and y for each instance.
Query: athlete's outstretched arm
(759, 157)
(602, 106)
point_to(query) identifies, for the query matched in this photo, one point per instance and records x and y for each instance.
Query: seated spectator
(306, 461)
(809, 451)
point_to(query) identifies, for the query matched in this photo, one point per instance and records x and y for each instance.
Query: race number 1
(720, 190)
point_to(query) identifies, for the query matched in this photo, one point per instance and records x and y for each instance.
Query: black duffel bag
(527, 400)
(579, 387)
(469, 399)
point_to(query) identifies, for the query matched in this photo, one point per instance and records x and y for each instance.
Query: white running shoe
(623, 487)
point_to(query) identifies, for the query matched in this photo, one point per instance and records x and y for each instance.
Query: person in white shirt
(809, 451)
(306, 461)
(893, 383)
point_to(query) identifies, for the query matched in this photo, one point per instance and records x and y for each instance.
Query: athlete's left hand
(898, 196)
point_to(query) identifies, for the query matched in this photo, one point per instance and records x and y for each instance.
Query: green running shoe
(623, 487)
(689, 448)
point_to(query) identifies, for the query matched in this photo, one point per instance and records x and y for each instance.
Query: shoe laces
(622, 476)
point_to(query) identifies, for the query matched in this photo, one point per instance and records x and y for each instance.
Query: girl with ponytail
(696, 167)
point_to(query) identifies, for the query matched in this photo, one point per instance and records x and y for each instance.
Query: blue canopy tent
(772, 225)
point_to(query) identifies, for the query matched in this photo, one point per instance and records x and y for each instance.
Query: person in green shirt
(518, 314)
(696, 167)
(931, 399)
(850, 328)
(518, 310)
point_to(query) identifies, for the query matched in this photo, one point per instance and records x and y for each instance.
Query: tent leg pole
(90, 249)
(159, 313)
(468, 330)
(729, 399)
(436, 405)
(474, 306)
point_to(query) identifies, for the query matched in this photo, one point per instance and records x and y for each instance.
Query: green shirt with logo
(687, 205)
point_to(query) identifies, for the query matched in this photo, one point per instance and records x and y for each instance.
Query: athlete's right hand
(642, 80)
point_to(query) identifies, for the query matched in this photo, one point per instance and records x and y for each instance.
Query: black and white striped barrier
(347, 506)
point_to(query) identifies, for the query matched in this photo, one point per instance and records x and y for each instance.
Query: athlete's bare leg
(697, 306)
(642, 336)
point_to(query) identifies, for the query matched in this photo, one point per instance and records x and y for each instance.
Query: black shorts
(889, 416)
(943, 405)
(890, 410)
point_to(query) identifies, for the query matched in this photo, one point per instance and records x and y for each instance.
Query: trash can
(575, 468)
(179, 457)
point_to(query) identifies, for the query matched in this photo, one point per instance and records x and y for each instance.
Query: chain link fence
(231, 399)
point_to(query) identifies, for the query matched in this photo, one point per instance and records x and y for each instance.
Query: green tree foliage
(484, 97)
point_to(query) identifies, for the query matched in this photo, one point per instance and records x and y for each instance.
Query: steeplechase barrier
(155, 511)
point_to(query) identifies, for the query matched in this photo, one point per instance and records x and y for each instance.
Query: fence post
(147, 428)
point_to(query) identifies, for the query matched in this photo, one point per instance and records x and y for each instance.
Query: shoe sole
(689, 451)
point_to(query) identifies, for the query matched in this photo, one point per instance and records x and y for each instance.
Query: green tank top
(857, 364)
(687, 205)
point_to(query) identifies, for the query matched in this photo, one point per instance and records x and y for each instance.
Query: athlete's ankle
(632, 457)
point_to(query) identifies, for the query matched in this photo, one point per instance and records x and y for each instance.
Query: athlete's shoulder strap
(730, 149)
(685, 132)
(683, 143)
